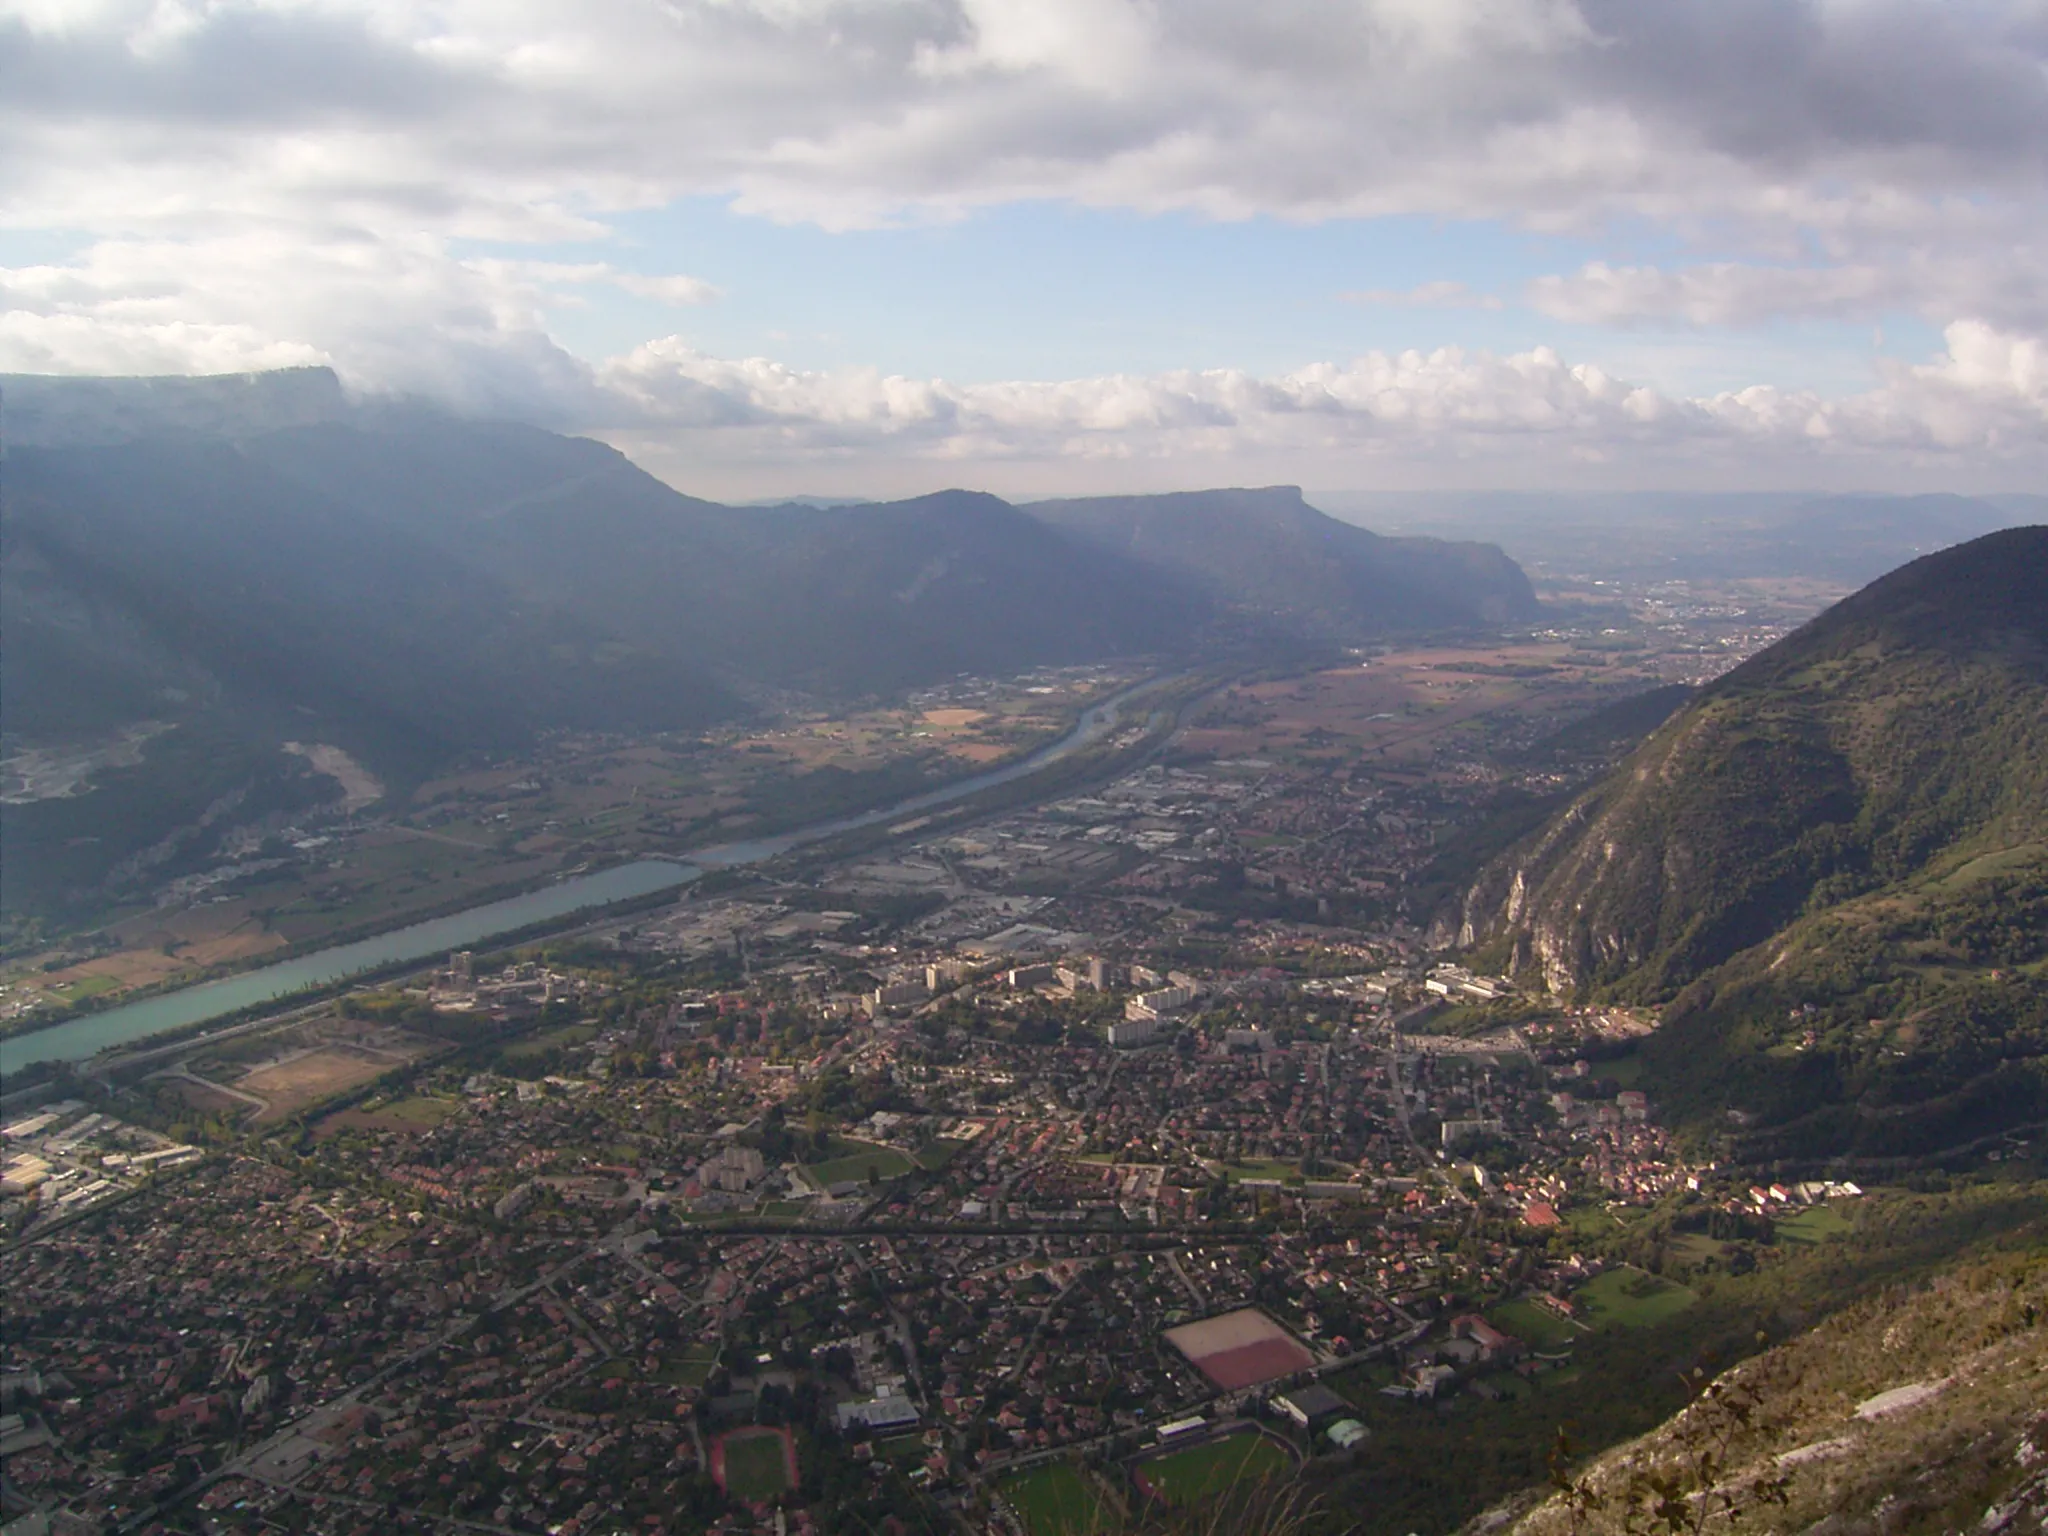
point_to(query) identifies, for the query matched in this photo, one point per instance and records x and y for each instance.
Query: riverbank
(81, 1038)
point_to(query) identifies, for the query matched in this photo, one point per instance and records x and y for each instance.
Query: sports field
(1058, 1501)
(853, 1159)
(1233, 1464)
(1240, 1349)
(754, 1464)
(1632, 1298)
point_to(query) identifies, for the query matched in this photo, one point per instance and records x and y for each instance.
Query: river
(85, 1037)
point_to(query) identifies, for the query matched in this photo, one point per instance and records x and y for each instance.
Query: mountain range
(259, 559)
(1829, 870)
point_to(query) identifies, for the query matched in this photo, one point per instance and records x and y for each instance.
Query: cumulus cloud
(279, 181)
(1987, 395)
(508, 112)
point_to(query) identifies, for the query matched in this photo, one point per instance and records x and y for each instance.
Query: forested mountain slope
(1831, 868)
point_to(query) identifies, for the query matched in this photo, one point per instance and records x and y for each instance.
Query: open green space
(1697, 1248)
(1815, 1224)
(1233, 1464)
(690, 1366)
(1625, 1070)
(1535, 1325)
(425, 1113)
(940, 1154)
(854, 1160)
(86, 986)
(1632, 1298)
(1591, 1224)
(550, 1040)
(755, 1466)
(1361, 1382)
(1057, 1501)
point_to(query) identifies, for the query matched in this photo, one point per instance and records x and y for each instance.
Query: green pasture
(1632, 1298)
(1815, 1224)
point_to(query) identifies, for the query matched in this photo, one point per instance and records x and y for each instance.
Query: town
(993, 1171)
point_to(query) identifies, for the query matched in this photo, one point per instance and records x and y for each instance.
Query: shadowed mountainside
(215, 567)
(1268, 552)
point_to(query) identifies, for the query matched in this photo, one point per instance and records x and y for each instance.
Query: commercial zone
(1240, 1349)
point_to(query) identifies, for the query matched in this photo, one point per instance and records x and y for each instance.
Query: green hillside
(1830, 869)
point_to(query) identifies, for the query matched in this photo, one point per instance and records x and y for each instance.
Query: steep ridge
(1268, 552)
(1921, 1408)
(1831, 869)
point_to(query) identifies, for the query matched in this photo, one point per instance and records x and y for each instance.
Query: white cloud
(270, 181)
(519, 113)
(389, 314)
(1987, 396)
(1999, 281)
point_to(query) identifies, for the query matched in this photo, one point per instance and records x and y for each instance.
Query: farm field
(1631, 1298)
(1058, 1501)
(755, 1464)
(1233, 1464)
(1396, 709)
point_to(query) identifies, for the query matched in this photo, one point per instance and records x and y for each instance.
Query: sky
(1055, 246)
